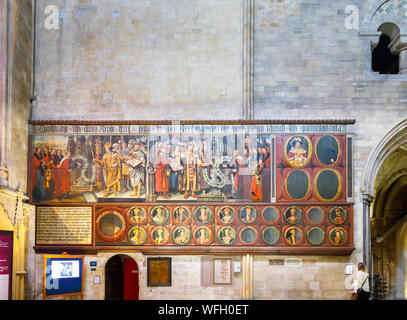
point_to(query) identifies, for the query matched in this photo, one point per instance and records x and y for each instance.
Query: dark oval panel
(327, 150)
(270, 214)
(327, 184)
(315, 236)
(109, 224)
(248, 235)
(315, 215)
(297, 184)
(270, 235)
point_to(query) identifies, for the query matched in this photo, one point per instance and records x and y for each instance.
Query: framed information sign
(6, 264)
(63, 275)
(222, 271)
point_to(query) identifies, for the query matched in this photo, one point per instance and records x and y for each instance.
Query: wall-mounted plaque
(159, 272)
(64, 226)
(222, 271)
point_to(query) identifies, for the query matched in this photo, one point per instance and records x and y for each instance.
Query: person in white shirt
(362, 281)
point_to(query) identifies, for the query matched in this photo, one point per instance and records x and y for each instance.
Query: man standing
(111, 165)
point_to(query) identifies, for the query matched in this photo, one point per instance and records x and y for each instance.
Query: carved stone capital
(367, 198)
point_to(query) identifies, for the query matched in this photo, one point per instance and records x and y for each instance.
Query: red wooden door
(130, 280)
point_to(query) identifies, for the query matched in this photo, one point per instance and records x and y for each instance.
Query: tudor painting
(184, 168)
(88, 169)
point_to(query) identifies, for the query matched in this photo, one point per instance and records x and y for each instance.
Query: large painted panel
(139, 168)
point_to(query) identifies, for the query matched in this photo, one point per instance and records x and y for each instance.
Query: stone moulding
(190, 122)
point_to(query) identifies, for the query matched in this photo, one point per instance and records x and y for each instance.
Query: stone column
(248, 59)
(367, 241)
(247, 276)
(403, 59)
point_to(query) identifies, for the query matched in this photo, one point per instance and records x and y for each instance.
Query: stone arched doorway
(121, 278)
(385, 214)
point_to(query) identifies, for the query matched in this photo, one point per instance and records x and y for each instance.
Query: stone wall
(176, 59)
(17, 109)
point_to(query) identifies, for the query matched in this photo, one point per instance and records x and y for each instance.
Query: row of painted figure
(203, 215)
(192, 168)
(227, 235)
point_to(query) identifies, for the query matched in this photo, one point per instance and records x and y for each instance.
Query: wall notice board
(6, 264)
(63, 275)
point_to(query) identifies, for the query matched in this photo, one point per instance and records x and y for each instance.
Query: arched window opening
(385, 54)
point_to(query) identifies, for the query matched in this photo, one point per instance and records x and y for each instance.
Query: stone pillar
(247, 276)
(403, 60)
(248, 59)
(367, 241)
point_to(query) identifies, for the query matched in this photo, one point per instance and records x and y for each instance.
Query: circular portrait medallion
(110, 225)
(298, 151)
(248, 235)
(337, 215)
(137, 235)
(226, 235)
(203, 214)
(159, 235)
(203, 235)
(315, 235)
(181, 235)
(293, 235)
(292, 215)
(136, 215)
(315, 215)
(297, 184)
(270, 214)
(159, 215)
(337, 236)
(248, 214)
(327, 150)
(180, 215)
(270, 235)
(328, 185)
(226, 215)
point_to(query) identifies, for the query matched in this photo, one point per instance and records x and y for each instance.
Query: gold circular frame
(338, 155)
(339, 191)
(255, 232)
(309, 156)
(268, 228)
(315, 228)
(143, 239)
(308, 188)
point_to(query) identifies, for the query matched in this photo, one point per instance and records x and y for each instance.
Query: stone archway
(384, 189)
(121, 278)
